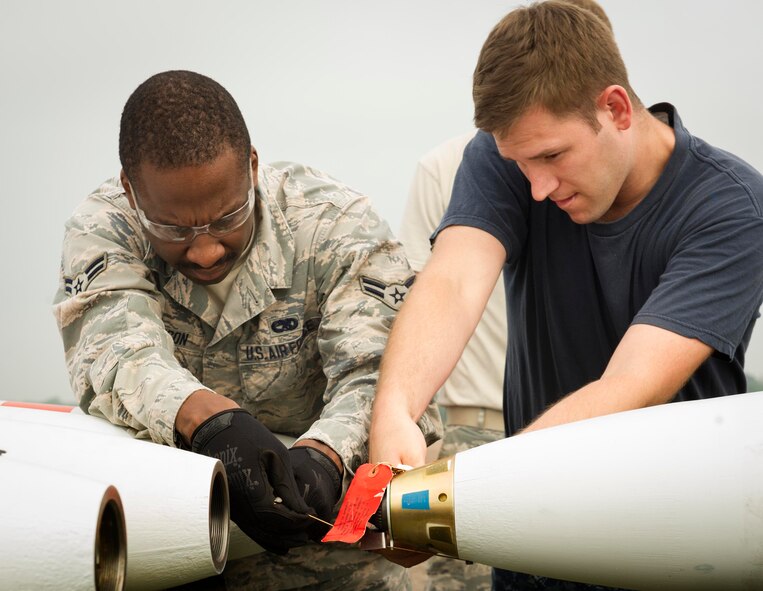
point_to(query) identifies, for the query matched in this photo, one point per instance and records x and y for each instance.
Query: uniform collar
(273, 241)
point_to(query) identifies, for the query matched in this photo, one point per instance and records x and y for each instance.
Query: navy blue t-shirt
(688, 258)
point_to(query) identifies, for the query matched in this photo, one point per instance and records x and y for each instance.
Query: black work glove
(320, 482)
(259, 470)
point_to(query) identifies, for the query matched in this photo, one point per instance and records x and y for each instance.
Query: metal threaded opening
(111, 545)
(219, 519)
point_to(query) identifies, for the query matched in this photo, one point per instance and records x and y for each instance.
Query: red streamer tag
(361, 501)
(38, 406)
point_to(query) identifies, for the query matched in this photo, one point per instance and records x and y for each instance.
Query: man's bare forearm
(429, 335)
(426, 342)
(648, 367)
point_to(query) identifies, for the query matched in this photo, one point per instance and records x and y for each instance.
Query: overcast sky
(358, 89)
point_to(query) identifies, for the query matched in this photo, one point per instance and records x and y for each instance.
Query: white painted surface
(48, 525)
(165, 493)
(658, 498)
(241, 545)
(75, 419)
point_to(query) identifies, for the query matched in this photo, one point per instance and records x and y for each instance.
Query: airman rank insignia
(78, 284)
(392, 294)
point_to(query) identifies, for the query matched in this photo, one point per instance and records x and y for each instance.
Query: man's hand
(265, 500)
(395, 438)
(320, 481)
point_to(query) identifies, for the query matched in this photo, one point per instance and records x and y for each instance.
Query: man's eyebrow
(546, 152)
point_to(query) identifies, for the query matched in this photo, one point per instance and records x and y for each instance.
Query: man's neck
(655, 142)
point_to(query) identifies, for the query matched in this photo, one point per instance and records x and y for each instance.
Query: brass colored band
(421, 509)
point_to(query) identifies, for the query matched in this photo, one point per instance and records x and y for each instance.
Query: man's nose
(205, 250)
(542, 183)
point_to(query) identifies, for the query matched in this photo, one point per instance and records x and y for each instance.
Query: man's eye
(549, 157)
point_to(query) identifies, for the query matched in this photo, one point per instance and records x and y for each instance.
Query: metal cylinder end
(111, 544)
(219, 518)
(421, 509)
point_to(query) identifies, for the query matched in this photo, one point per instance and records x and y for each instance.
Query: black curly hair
(180, 118)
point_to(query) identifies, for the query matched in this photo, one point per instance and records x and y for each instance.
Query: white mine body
(50, 523)
(667, 497)
(170, 497)
(73, 418)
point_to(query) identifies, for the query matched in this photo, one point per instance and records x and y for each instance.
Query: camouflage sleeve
(362, 277)
(108, 310)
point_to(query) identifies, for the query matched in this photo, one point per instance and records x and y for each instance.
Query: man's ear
(615, 103)
(127, 187)
(255, 160)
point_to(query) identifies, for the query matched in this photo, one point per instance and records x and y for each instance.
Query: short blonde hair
(550, 54)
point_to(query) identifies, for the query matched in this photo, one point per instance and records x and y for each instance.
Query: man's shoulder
(730, 172)
(314, 205)
(713, 170)
(295, 185)
(104, 201)
(105, 221)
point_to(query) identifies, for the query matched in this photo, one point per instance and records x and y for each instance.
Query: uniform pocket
(190, 341)
(282, 377)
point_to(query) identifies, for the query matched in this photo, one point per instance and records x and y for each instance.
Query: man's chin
(579, 217)
(582, 217)
(207, 276)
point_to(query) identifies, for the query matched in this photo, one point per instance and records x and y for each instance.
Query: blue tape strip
(416, 500)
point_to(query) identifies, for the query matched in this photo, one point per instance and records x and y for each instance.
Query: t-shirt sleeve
(491, 194)
(712, 286)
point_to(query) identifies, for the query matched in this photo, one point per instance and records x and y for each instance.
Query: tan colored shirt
(477, 379)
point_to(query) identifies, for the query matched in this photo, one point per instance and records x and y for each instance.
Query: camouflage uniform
(298, 342)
